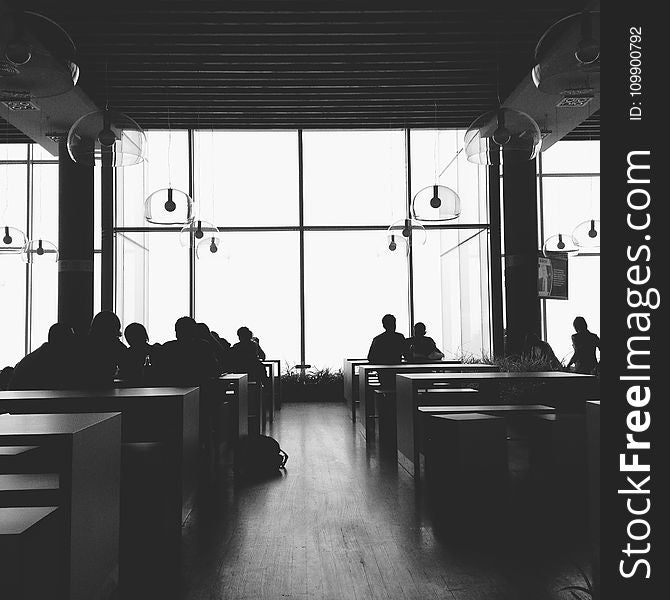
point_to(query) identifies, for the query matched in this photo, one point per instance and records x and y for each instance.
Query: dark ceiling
(310, 64)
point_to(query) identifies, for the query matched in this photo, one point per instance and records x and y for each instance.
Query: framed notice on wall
(552, 276)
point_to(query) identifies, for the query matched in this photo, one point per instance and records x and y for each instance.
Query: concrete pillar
(75, 242)
(522, 305)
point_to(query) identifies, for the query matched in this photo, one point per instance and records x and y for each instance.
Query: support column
(522, 305)
(75, 242)
(495, 265)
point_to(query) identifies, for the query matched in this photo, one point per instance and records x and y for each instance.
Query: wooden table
(168, 415)
(350, 375)
(87, 450)
(224, 414)
(568, 389)
(269, 391)
(366, 407)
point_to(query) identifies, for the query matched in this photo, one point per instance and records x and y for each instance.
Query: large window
(29, 292)
(569, 184)
(303, 258)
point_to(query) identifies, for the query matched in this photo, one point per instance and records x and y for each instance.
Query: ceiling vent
(21, 105)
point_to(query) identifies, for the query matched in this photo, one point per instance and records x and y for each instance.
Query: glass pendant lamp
(106, 138)
(200, 230)
(503, 132)
(587, 235)
(40, 251)
(12, 240)
(560, 243)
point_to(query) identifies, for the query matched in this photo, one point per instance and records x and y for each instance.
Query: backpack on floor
(259, 455)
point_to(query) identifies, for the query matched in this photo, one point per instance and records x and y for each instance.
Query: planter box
(312, 392)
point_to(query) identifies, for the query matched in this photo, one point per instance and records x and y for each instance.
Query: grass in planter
(314, 383)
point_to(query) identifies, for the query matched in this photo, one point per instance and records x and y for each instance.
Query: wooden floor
(344, 523)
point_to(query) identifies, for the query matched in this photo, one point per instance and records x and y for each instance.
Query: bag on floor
(259, 455)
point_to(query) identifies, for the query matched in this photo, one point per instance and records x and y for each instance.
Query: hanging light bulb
(41, 251)
(199, 230)
(13, 240)
(503, 132)
(587, 234)
(406, 229)
(560, 244)
(168, 206)
(436, 203)
(208, 247)
(107, 138)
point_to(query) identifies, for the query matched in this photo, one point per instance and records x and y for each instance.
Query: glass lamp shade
(395, 243)
(200, 230)
(505, 132)
(12, 240)
(107, 138)
(209, 247)
(568, 56)
(168, 206)
(40, 251)
(436, 203)
(560, 244)
(405, 228)
(587, 234)
(42, 55)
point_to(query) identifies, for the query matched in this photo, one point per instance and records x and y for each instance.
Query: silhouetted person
(52, 366)
(219, 347)
(5, 377)
(584, 343)
(187, 360)
(244, 356)
(422, 347)
(103, 352)
(137, 364)
(388, 348)
(538, 350)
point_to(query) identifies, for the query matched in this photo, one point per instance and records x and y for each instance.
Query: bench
(30, 489)
(31, 553)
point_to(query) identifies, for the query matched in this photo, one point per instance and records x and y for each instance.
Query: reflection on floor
(345, 523)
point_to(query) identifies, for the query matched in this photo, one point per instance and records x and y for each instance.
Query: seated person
(186, 360)
(261, 354)
(5, 377)
(388, 348)
(137, 364)
(102, 352)
(422, 347)
(219, 346)
(537, 350)
(49, 367)
(584, 343)
(244, 357)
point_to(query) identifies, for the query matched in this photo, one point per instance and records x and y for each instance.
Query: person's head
(580, 324)
(60, 334)
(185, 329)
(136, 335)
(419, 329)
(5, 377)
(244, 334)
(105, 325)
(388, 322)
(202, 331)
